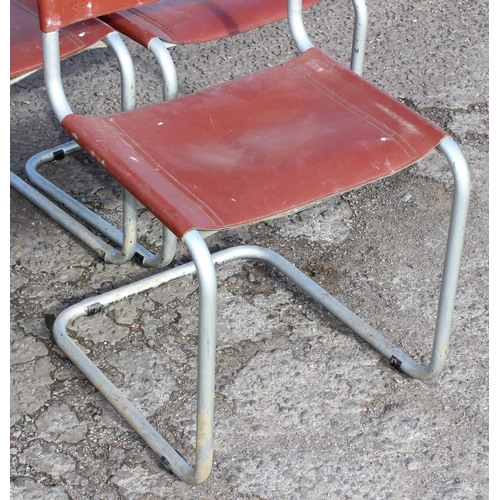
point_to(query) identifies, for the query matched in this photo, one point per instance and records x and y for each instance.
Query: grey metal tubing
(53, 80)
(167, 68)
(52, 75)
(167, 254)
(204, 264)
(448, 286)
(359, 38)
(129, 243)
(88, 216)
(456, 234)
(296, 24)
(64, 199)
(127, 70)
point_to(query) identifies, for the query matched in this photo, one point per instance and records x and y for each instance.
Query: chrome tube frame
(204, 264)
(52, 75)
(93, 220)
(296, 23)
(127, 70)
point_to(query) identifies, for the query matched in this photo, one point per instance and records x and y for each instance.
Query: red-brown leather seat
(196, 21)
(259, 146)
(26, 38)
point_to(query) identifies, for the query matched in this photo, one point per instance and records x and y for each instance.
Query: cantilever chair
(166, 23)
(156, 27)
(244, 151)
(26, 57)
(163, 24)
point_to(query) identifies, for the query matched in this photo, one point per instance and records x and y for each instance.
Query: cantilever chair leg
(104, 250)
(204, 264)
(127, 239)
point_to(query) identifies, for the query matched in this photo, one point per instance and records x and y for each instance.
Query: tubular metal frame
(299, 34)
(204, 265)
(127, 239)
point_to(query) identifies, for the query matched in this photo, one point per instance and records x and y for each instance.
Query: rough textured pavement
(304, 410)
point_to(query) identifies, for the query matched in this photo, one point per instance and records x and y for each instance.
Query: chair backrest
(26, 39)
(199, 21)
(57, 14)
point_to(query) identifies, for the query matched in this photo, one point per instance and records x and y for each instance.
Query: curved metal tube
(168, 250)
(52, 75)
(456, 234)
(206, 356)
(129, 240)
(303, 42)
(296, 24)
(53, 80)
(203, 265)
(85, 214)
(127, 70)
(167, 67)
(103, 250)
(359, 38)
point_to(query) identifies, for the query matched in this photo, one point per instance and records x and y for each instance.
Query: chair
(26, 58)
(164, 24)
(177, 22)
(244, 151)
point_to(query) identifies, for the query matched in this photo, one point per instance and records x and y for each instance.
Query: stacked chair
(168, 23)
(26, 57)
(238, 153)
(156, 27)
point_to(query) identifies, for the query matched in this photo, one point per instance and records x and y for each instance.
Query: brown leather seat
(259, 146)
(26, 38)
(196, 21)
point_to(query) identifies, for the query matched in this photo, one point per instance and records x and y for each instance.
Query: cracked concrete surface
(304, 409)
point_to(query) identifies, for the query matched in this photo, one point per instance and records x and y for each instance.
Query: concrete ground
(304, 409)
